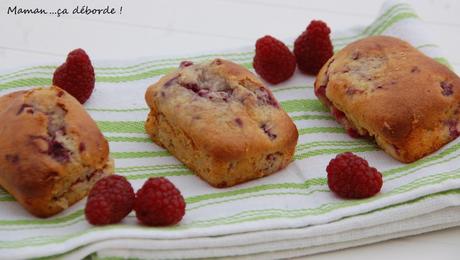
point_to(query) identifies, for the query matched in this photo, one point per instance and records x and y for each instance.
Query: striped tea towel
(287, 214)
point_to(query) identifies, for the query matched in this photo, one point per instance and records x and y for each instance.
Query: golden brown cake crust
(221, 121)
(51, 150)
(388, 89)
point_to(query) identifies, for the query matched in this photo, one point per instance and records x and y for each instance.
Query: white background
(172, 27)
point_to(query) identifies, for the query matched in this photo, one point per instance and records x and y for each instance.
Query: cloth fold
(397, 221)
(288, 214)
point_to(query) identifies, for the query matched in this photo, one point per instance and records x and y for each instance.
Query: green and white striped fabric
(289, 213)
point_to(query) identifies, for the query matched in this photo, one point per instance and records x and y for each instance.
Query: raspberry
(313, 47)
(98, 211)
(159, 203)
(350, 176)
(76, 75)
(273, 61)
(109, 201)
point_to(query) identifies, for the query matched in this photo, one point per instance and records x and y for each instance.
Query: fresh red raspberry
(159, 203)
(273, 61)
(350, 176)
(109, 201)
(98, 211)
(76, 75)
(313, 47)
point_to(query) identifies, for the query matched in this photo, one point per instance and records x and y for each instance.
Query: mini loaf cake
(52, 152)
(220, 121)
(384, 88)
